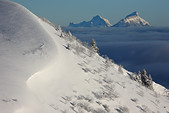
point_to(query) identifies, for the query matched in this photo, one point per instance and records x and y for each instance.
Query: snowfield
(45, 70)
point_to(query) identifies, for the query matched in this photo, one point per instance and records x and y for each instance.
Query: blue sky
(61, 12)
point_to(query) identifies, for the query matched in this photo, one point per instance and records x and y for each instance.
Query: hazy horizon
(63, 12)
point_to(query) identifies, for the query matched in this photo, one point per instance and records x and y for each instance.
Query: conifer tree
(69, 33)
(150, 82)
(146, 81)
(138, 77)
(144, 77)
(120, 69)
(94, 46)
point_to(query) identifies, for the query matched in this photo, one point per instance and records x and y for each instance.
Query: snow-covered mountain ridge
(132, 20)
(96, 21)
(45, 70)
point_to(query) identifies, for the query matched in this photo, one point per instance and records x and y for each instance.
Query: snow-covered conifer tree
(146, 81)
(69, 33)
(108, 62)
(120, 69)
(138, 77)
(150, 82)
(94, 46)
(144, 77)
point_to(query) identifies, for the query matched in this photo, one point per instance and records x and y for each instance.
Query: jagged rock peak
(132, 20)
(134, 14)
(97, 16)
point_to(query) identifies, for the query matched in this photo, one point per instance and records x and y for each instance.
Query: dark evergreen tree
(146, 81)
(150, 82)
(94, 46)
(144, 77)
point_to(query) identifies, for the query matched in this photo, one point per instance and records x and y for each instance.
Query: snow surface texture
(96, 21)
(132, 20)
(44, 70)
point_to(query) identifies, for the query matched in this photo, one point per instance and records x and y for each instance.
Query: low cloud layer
(135, 49)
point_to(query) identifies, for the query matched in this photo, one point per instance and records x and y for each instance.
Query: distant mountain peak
(134, 14)
(97, 16)
(132, 20)
(96, 21)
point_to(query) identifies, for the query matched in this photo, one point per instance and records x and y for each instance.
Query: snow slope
(132, 20)
(25, 48)
(96, 21)
(45, 70)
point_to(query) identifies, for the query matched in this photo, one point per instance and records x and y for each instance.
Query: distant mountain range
(131, 20)
(96, 21)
